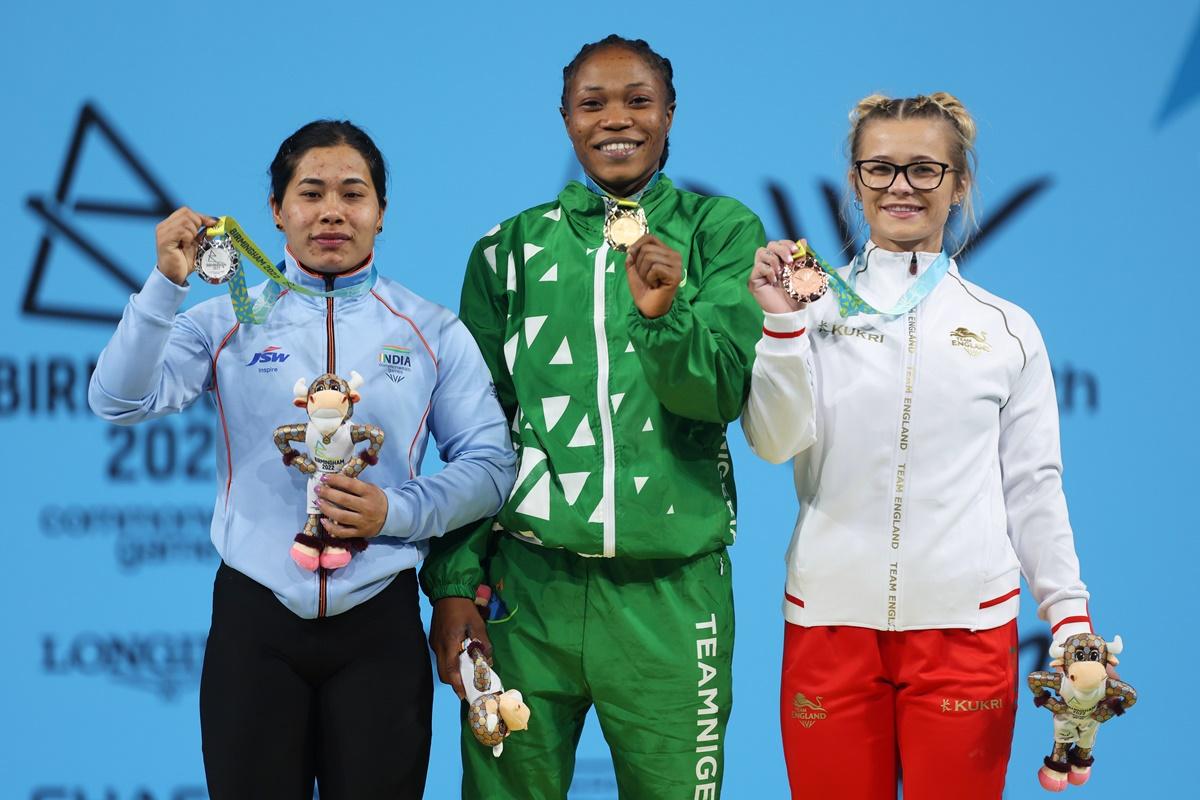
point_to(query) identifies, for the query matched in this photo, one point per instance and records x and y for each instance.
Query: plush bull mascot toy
(1087, 697)
(330, 439)
(492, 712)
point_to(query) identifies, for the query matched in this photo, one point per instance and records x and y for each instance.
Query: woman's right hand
(455, 619)
(764, 278)
(176, 239)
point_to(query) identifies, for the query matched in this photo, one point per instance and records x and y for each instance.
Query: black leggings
(345, 700)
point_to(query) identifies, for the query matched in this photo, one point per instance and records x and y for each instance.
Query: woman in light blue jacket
(316, 674)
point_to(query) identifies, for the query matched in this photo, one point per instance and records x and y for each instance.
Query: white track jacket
(926, 456)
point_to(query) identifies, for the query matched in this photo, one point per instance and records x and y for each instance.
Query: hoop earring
(379, 229)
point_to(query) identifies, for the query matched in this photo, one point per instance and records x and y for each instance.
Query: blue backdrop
(1089, 131)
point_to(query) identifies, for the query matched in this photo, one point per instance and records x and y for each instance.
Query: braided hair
(640, 48)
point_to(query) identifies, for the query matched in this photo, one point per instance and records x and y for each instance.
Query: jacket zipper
(330, 366)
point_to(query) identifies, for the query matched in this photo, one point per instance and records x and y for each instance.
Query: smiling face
(618, 117)
(902, 218)
(329, 211)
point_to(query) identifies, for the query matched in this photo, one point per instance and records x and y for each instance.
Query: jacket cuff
(443, 590)
(1068, 617)
(399, 521)
(786, 333)
(160, 297)
(674, 320)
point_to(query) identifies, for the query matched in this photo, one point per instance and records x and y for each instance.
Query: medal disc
(217, 261)
(624, 227)
(804, 281)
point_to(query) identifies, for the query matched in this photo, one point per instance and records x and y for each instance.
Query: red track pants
(860, 707)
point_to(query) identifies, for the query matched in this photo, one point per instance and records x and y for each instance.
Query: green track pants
(649, 643)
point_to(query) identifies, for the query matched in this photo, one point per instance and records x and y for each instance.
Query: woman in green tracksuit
(618, 372)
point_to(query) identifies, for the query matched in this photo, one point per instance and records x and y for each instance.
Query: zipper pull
(912, 265)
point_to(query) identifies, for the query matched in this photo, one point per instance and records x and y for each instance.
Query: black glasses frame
(902, 168)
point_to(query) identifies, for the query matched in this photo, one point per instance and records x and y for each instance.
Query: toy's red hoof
(1052, 781)
(334, 557)
(305, 557)
(1079, 775)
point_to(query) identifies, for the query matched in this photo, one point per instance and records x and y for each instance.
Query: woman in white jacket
(923, 430)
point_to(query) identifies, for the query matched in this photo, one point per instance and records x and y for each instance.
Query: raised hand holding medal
(654, 272)
(178, 240)
(786, 276)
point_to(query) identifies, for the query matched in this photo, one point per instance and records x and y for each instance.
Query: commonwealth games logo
(396, 361)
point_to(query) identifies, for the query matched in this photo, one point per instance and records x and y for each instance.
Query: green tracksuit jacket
(618, 420)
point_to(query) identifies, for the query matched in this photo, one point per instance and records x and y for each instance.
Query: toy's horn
(300, 389)
(356, 380)
(1115, 646)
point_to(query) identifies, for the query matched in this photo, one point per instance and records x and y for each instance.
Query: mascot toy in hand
(493, 713)
(330, 439)
(1087, 696)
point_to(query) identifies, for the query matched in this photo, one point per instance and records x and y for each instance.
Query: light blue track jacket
(422, 373)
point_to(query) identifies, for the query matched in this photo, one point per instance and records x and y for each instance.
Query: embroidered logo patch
(808, 712)
(973, 344)
(396, 361)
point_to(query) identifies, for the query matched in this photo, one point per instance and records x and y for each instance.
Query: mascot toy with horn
(1087, 697)
(330, 438)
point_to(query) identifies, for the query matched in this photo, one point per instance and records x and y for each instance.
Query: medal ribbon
(850, 302)
(256, 311)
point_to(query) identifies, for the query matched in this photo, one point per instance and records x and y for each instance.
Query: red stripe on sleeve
(1068, 620)
(796, 601)
(786, 335)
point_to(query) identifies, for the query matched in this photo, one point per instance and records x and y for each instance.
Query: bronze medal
(623, 226)
(804, 280)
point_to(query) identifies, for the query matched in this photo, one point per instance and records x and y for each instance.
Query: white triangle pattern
(629, 348)
(489, 253)
(611, 268)
(563, 354)
(572, 483)
(554, 213)
(530, 458)
(553, 408)
(649, 426)
(583, 435)
(597, 516)
(511, 277)
(510, 351)
(671, 510)
(537, 502)
(533, 325)
(531, 250)
(551, 274)
(591, 250)
(639, 481)
(495, 229)
(616, 401)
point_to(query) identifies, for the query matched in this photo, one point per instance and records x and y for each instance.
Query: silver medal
(216, 259)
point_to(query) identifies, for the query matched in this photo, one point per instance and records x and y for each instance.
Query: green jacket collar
(585, 209)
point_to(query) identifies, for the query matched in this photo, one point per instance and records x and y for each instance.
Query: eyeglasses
(924, 176)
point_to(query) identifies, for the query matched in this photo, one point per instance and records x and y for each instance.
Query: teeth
(618, 147)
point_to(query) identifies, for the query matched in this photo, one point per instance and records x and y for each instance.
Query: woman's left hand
(351, 508)
(654, 272)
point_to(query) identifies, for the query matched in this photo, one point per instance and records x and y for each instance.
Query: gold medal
(624, 224)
